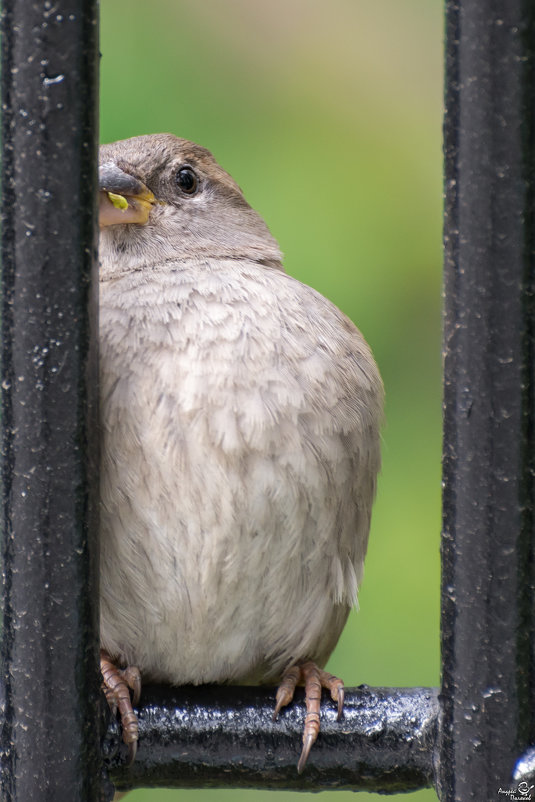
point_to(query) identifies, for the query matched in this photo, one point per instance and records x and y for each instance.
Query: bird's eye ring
(187, 180)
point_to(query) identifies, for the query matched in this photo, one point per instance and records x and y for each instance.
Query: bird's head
(166, 199)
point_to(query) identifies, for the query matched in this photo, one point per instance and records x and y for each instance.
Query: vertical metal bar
(487, 583)
(49, 734)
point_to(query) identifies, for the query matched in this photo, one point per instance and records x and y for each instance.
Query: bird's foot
(117, 684)
(314, 679)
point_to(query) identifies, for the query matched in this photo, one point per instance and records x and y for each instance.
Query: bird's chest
(201, 438)
(229, 370)
(225, 473)
(204, 473)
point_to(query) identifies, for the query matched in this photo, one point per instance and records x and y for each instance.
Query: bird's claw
(117, 684)
(132, 677)
(314, 680)
(132, 751)
(308, 741)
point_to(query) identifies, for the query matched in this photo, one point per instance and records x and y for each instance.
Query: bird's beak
(123, 198)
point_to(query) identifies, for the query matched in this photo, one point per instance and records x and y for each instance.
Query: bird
(240, 427)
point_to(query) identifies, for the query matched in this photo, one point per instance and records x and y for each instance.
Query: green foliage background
(328, 114)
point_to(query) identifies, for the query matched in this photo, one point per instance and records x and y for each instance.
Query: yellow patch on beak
(119, 201)
(115, 209)
(123, 198)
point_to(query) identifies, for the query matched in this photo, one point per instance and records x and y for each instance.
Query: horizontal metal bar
(208, 736)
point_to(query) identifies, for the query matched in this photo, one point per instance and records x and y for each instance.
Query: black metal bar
(207, 737)
(49, 734)
(487, 585)
(223, 736)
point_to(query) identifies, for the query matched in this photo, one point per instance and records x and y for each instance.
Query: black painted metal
(223, 736)
(489, 449)
(49, 734)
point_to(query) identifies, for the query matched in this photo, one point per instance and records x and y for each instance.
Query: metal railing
(57, 741)
(49, 740)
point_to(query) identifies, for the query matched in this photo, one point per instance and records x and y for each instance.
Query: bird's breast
(239, 453)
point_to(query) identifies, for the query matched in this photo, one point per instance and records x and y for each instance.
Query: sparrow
(240, 441)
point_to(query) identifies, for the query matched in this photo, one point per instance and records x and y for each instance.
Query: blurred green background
(329, 117)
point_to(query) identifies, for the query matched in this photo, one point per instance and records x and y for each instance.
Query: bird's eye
(187, 180)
